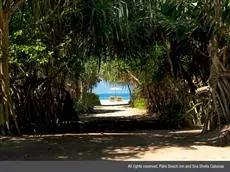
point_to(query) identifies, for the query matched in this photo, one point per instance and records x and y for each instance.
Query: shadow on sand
(95, 146)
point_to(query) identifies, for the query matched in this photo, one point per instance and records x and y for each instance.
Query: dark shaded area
(114, 138)
(101, 111)
(99, 124)
(123, 123)
(89, 123)
(95, 147)
(43, 111)
(119, 124)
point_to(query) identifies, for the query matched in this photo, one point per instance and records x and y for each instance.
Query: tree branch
(9, 4)
(135, 78)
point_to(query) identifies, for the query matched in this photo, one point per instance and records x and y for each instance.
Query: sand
(108, 102)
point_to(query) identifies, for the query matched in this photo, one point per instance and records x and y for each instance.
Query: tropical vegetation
(174, 53)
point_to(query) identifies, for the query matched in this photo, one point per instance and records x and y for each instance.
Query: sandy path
(154, 145)
(138, 145)
(194, 153)
(116, 111)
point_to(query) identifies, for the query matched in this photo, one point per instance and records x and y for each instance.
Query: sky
(104, 87)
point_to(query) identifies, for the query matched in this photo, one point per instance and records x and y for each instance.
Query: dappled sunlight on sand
(195, 153)
(116, 111)
(140, 145)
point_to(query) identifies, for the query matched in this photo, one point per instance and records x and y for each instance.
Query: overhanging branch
(135, 78)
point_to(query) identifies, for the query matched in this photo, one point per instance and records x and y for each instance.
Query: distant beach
(108, 102)
(105, 99)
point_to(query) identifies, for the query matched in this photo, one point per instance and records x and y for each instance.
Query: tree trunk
(6, 105)
(130, 92)
(79, 89)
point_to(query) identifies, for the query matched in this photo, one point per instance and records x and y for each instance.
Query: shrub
(91, 100)
(172, 116)
(139, 103)
(87, 103)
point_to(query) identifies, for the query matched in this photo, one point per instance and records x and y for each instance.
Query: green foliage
(153, 66)
(89, 74)
(58, 44)
(29, 53)
(87, 103)
(140, 103)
